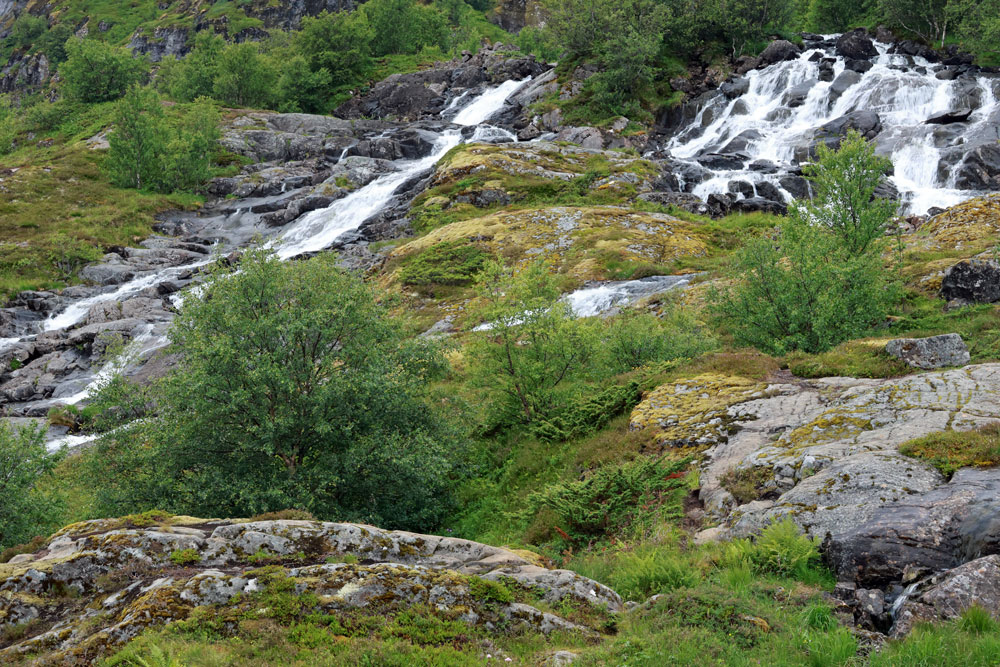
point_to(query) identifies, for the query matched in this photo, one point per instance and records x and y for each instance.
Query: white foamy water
(902, 90)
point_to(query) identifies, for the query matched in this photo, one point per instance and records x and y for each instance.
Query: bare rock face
(777, 51)
(930, 353)
(974, 583)
(133, 573)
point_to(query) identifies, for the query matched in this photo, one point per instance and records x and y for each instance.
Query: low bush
(448, 263)
(643, 573)
(747, 484)
(185, 556)
(780, 549)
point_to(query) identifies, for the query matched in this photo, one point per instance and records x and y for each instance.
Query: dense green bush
(581, 416)
(98, 72)
(821, 279)
(780, 549)
(447, 263)
(635, 339)
(147, 151)
(26, 508)
(295, 389)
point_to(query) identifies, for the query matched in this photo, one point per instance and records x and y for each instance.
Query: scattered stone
(928, 353)
(974, 281)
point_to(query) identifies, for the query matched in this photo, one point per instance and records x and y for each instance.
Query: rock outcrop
(98, 584)
(975, 281)
(929, 353)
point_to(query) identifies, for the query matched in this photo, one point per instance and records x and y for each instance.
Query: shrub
(487, 590)
(285, 515)
(584, 415)
(614, 499)
(780, 549)
(244, 77)
(635, 339)
(98, 72)
(448, 263)
(950, 450)
(26, 508)
(185, 556)
(296, 389)
(747, 484)
(978, 621)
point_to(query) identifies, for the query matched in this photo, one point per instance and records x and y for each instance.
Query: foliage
(845, 181)
(780, 549)
(586, 414)
(339, 43)
(487, 590)
(821, 279)
(927, 19)
(643, 573)
(403, 26)
(148, 152)
(244, 77)
(185, 556)
(831, 648)
(613, 499)
(828, 16)
(747, 484)
(98, 72)
(950, 450)
(447, 263)
(977, 22)
(295, 390)
(26, 509)
(635, 339)
(26, 30)
(532, 347)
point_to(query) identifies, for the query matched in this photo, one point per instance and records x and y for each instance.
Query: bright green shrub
(98, 72)
(447, 263)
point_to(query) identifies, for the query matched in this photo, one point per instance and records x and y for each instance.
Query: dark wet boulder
(735, 88)
(974, 281)
(744, 188)
(845, 80)
(947, 596)
(955, 116)
(826, 71)
(769, 191)
(687, 202)
(759, 205)
(797, 186)
(936, 530)
(722, 161)
(866, 123)
(796, 95)
(980, 169)
(778, 51)
(856, 45)
(859, 66)
(908, 47)
(740, 142)
(763, 167)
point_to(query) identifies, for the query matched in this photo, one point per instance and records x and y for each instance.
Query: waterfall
(776, 116)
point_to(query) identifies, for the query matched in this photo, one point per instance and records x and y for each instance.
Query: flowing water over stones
(937, 123)
(53, 344)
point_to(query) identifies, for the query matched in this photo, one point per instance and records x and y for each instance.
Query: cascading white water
(318, 229)
(902, 90)
(603, 299)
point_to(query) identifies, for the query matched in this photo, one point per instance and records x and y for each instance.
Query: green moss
(950, 450)
(185, 556)
(448, 263)
(489, 591)
(747, 484)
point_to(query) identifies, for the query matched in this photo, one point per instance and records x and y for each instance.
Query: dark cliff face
(24, 72)
(287, 14)
(515, 15)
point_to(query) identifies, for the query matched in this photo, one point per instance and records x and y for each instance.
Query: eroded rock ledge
(98, 584)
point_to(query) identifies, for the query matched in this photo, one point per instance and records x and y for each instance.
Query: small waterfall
(775, 119)
(605, 298)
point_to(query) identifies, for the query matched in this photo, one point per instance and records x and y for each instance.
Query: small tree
(821, 279)
(339, 43)
(845, 181)
(194, 75)
(245, 77)
(138, 141)
(295, 389)
(26, 509)
(927, 19)
(400, 26)
(533, 347)
(98, 72)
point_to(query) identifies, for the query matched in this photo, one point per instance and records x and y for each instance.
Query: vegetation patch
(950, 450)
(748, 484)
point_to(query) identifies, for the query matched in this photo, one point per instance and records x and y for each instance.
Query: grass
(950, 450)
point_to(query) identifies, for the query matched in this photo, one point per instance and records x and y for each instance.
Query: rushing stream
(769, 121)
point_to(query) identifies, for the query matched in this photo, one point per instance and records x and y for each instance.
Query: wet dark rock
(946, 74)
(826, 71)
(859, 66)
(763, 167)
(769, 191)
(718, 205)
(759, 205)
(856, 45)
(797, 186)
(975, 281)
(735, 87)
(980, 169)
(910, 48)
(937, 530)
(867, 123)
(796, 95)
(949, 595)
(687, 202)
(955, 116)
(778, 51)
(721, 161)
(744, 188)
(740, 142)
(845, 80)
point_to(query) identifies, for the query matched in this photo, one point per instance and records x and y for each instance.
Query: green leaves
(294, 389)
(98, 72)
(25, 508)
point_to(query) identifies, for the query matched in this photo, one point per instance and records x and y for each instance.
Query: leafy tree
(533, 348)
(837, 15)
(580, 27)
(98, 72)
(340, 43)
(138, 140)
(295, 389)
(53, 43)
(148, 152)
(748, 22)
(193, 76)
(245, 77)
(401, 26)
(845, 181)
(821, 279)
(26, 30)
(25, 465)
(977, 23)
(927, 19)
(635, 339)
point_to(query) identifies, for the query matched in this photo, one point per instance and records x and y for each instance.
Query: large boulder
(856, 45)
(974, 583)
(866, 123)
(928, 353)
(98, 584)
(975, 281)
(777, 51)
(980, 169)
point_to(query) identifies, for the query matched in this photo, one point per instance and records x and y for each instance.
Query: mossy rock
(972, 225)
